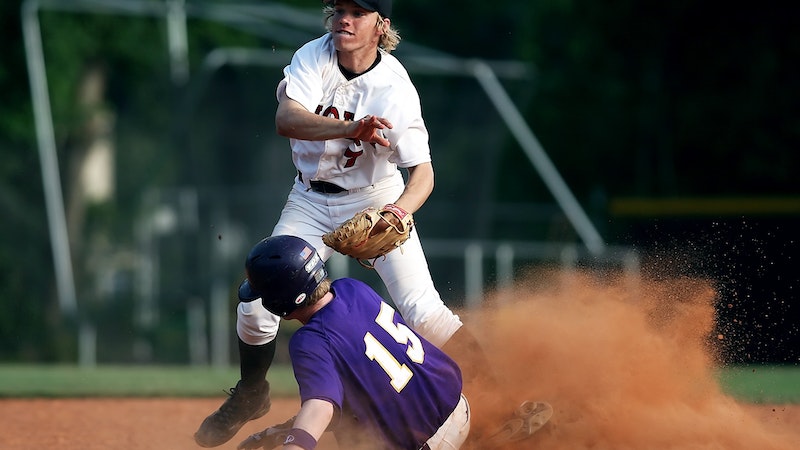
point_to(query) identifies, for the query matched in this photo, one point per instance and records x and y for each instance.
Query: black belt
(326, 188)
(323, 187)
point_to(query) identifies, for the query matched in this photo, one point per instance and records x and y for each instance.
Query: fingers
(368, 130)
(377, 122)
(390, 218)
(380, 140)
(269, 438)
(380, 227)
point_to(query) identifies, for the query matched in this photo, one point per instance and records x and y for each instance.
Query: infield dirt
(625, 365)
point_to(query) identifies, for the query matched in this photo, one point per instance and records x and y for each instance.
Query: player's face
(354, 28)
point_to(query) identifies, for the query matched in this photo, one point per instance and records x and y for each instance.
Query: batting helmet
(282, 271)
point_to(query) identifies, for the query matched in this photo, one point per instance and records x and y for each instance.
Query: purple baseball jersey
(357, 353)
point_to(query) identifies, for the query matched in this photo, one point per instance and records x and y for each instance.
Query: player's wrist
(396, 210)
(300, 438)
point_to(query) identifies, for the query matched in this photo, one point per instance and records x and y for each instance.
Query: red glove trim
(396, 210)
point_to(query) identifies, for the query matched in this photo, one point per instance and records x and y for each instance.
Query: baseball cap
(383, 7)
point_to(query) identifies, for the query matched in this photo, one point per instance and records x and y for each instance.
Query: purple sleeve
(314, 368)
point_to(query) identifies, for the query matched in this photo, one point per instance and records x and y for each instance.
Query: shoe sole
(528, 418)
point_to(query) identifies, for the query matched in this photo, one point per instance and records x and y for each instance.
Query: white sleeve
(412, 146)
(303, 76)
(410, 135)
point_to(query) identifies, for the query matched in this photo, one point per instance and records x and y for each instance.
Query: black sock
(254, 360)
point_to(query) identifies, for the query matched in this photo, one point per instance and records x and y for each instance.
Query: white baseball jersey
(314, 80)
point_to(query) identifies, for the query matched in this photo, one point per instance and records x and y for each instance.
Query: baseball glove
(269, 438)
(371, 233)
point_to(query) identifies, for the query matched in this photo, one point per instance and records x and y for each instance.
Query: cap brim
(246, 292)
(364, 5)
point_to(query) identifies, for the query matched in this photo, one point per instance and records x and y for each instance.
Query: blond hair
(318, 293)
(389, 39)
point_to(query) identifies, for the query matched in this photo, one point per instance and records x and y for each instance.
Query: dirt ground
(168, 424)
(624, 366)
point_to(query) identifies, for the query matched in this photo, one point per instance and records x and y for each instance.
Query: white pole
(473, 270)
(178, 41)
(54, 200)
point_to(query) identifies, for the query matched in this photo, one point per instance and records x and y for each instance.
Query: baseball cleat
(528, 418)
(242, 405)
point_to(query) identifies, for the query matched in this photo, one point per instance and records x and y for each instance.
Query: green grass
(175, 381)
(756, 384)
(762, 384)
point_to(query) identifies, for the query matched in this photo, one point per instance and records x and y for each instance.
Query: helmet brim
(246, 292)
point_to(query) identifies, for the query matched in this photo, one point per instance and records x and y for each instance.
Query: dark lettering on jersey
(330, 111)
(350, 155)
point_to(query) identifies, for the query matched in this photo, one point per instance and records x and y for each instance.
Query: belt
(323, 187)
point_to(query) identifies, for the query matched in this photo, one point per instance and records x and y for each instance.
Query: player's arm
(313, 418)
(293, 120)
(418, 188)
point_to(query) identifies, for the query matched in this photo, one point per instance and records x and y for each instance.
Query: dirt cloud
(626, 364)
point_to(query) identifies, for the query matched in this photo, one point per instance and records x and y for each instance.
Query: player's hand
(391, 215)
(367, 129)
(269, 438)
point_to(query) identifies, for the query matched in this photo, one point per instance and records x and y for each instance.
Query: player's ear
(383, 24)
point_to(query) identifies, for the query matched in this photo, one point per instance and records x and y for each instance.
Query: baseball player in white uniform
(353, 119)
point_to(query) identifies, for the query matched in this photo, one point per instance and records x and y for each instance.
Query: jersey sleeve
(314, 368)
(411, 146)
(409, 136)
(303, 76)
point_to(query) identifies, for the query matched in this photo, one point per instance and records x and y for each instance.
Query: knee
(255, 325)
(437, 327)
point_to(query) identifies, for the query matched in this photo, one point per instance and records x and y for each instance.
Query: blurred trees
(656, 100)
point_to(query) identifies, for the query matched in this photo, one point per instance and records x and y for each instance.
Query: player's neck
(358, 62)
(303, 315)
